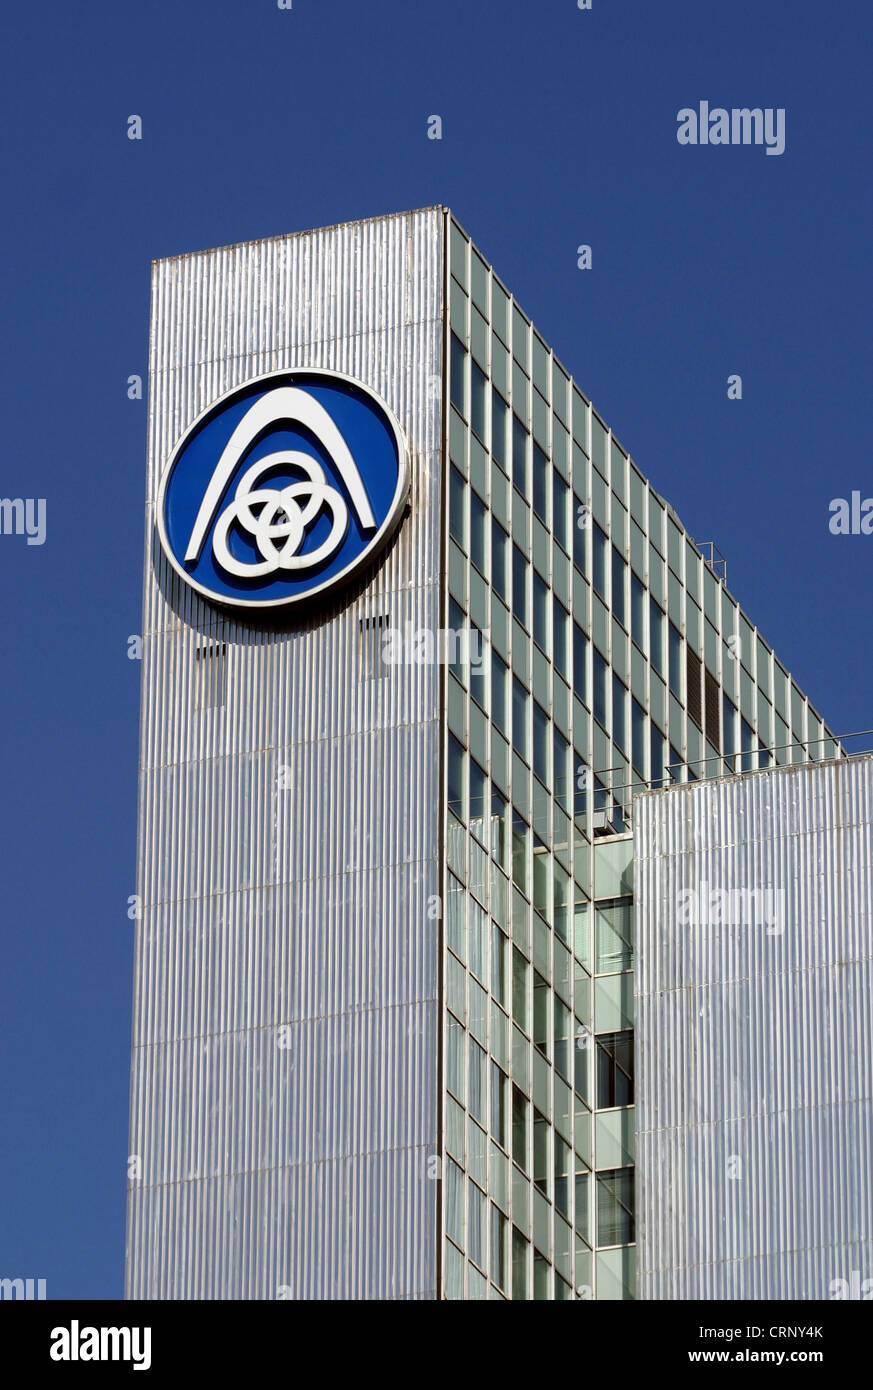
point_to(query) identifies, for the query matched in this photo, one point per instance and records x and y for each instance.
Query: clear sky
(559, 128)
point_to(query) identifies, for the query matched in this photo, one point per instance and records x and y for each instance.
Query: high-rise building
(416, 632)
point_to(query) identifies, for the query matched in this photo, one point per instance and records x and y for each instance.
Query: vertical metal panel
(290, 1163)
(755, 1036)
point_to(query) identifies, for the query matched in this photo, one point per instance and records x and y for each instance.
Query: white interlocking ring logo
(283, 488)
(279, 527)
(280, 516)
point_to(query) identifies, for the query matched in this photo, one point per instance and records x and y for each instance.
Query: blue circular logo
(283, 489)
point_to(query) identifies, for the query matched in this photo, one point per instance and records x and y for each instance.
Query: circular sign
(282, 489)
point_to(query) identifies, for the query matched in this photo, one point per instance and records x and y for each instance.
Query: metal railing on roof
(716, 561)
(611, 801)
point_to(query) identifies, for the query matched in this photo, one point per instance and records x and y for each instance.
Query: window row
(500, 430)
(506, 834)
(480, 1227)
(560, 1038)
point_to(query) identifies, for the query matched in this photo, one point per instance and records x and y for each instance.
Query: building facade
(383, 1036)
(286, 1020)
(754, 1025)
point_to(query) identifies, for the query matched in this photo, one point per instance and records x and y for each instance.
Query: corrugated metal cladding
(284, 1078)
(755, 1037)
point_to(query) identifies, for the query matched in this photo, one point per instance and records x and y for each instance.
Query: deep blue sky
(559, 128)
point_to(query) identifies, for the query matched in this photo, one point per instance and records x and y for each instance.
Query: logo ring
(281, 518)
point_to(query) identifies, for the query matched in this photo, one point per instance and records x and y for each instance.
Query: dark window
(520, 851)
(638, 613)
(580, 785)
(561, 902)
(542, 899)
(619, 705)
(657, 741)
(477, 1207)
(455, 1203)
(520, 1282)
(519, 989)
(498, 1247)
(730, 727)
(562, 1177)
(540, 484)
(675, 766)
(519, 1128)
(478, 541)
(478, 406)
(499, 675)
(615, 1207)
(561, 1030)
(581, 1054)
(519, 718)
(748, 743)
(476, 1096)
(561, 771)
(499, 426)
(541, 1014)
(599, 560)
(458, 376)
(519, 586)
(542, 1278)
(582, 1217)
(456, 644)
(559, 509)
(478, 806)
(541, 1153)
(498, 948)
(600, 696)
(458, 507)
(478, 668)
(615, 1069)
(638, 738)
(656, 637)
(519, 456)
(541, 743)
(581, 526)
(499, 549)
(561, 623)
(618, 569)
(540, 613)
(675, 662)
(580, 654)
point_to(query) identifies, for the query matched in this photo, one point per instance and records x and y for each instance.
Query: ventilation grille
(211, 676)
(712, 710)
(373, 629)
(693, 687)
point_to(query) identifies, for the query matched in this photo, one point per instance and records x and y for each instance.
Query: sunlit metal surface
(284, 1078)
(755, 1036)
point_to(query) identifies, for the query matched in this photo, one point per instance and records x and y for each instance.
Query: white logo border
(377, 542)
